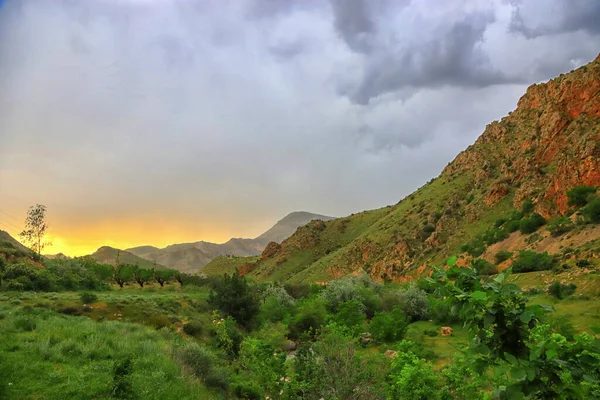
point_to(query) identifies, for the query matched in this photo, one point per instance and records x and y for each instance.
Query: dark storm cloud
(548, 17)
(353, 21)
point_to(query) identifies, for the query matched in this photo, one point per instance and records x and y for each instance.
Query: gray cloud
(199, 117)
(548, 17)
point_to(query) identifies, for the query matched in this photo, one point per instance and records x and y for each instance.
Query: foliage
(502, 256)
(528, 261)
(226, 335)
(234, 297)
(412, 378)
(310, 315)
(350, 315)
(35, 228)
(199, 359)
(193, 328)
(592, 211)
(347, 289)
(142, 276)
(561, 291)
(528, 207)
(88, 298)
(441, 310)
(414, 303)
(484, 267)
(123, 273)
(580, 195)
(560, 225)
(162, 276)
(388, 326)
(531, 224)
(271, 310)
(122, 387)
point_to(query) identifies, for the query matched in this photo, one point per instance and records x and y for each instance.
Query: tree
(142, 276)
(163, 276)
(580, 195)
(123, 274)
(35, 228)
(234, 296)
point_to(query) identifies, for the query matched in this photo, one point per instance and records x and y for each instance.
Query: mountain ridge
(192, 256)
(546, 146)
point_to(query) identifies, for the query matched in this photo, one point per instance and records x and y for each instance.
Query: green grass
(51, 356)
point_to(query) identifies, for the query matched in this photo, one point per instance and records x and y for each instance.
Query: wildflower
(288, 379)
(281, 391)
(281, 378)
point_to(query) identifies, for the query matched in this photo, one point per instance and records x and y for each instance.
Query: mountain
(108, 255)
(189, 257)
(7, 240)
(546, 146)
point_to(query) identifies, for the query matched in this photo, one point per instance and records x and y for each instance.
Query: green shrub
(502, 256)
(527, 207)
(88, 298)
(500, 221)
(388, 326)
(350, 315)
(441, 311)
(560, 225)
(122, 387)
(193, 328)
(528, 261)
(592, 211)
(198, 359)
(531, 224)
(310, 316)
(414, 303)
(234, 296)
(512, 226)
(247, 390)
(484, 267)
(560, 291)
(158, 321)
(494, 235)
(580, 195)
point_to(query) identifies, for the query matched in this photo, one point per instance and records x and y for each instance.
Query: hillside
(546, 146)
(108, 255)
(189, 257)
(6, 238)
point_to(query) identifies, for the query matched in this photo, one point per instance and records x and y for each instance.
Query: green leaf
(551, 354)
(526, 316)
(478, 295)
(530, 373)
(511, 359)
(488, 320)
(451, 261)
(518, 373)
(510, 288)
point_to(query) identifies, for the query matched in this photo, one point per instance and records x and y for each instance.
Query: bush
(310, 316)
(193, 328)
(527, 207)
(512, 226)
(158, 321)
(88, 298)
(502, 256)
(198, 359)
(484, 267)
(531, 224)
(388, 326)
(560, 225)
(351, 315)
(347, 289)
(122, 387)
(414, 303)
(592, 211)
(441, 311)
(494, 235)
(580, 195)
(234, 297)
(561, 291)
(528, 261)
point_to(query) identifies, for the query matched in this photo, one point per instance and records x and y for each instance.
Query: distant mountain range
(189, 257)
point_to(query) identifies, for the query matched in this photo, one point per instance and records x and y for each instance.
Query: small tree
(163, 276)
(580, 195)
(235, 297)
(142, 276)
(123, 274)
(35, 228)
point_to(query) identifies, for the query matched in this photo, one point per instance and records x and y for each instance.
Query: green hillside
(548, 145)
(108, 255)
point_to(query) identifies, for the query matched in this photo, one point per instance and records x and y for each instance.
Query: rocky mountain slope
(546, 146)
(190, 257)
(7, 239)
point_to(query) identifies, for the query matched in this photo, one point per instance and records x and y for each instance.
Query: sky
(165, 121)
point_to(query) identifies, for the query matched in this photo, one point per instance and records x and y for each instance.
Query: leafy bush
(279, 292)
(271, 310)
(560, 225)
(199, 359)
(528, 261)
(502, 256)
(122, 387)
(88, 298)
(512, 226)
(413, 378)
(310, 316)
(350, 315)
(484, 267)
(441, 312)
(494, 235)
(500, 221)
(560, 291)
(527, 207)
(592, 211)
(234, 296)
(531, 224)
(347, 289)
(475, 248)
(414, 303)
(158, 321)
(580, 195)
(388, 326)
(193, 328)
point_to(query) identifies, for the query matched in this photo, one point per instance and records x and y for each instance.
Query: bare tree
(35, 228)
